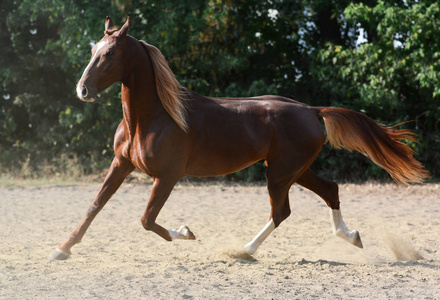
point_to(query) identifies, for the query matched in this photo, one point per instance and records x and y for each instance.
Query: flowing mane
(171, 93)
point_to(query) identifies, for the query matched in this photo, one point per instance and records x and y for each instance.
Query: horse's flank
(171, 94)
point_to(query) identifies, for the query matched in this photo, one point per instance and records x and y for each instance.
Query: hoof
(182, 234)
(357, 241)
(352, 237)
(184, 230)
(250, 249)
(59, 255)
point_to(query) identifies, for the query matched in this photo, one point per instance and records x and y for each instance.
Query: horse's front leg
(118, 171)
(160, 192)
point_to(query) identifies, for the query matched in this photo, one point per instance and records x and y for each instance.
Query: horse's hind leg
(328, 190)
(118, 171)
(280, 208)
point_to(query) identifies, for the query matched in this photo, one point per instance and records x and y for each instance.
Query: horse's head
(107, 64)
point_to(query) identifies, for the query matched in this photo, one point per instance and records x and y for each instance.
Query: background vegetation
(378, 57)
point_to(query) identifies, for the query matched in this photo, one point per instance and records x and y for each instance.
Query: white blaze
(79, 86)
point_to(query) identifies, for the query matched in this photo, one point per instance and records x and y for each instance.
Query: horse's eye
(109, 53)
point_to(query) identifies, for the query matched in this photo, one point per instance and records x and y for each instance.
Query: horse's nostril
(84, 91)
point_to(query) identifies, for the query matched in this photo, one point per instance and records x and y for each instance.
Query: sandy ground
(118, 259)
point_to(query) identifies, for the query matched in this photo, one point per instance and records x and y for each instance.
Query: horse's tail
(352, 130)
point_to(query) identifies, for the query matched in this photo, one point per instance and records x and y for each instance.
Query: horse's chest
(140, 155)
(148, 154)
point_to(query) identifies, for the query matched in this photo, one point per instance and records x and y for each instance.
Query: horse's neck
(140, 102)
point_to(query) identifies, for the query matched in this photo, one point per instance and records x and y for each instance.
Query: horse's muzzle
(84, 93)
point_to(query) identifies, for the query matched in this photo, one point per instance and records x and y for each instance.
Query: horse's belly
(227, 155)
(217, 167)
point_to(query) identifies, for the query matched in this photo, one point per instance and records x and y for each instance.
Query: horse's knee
(147, 223)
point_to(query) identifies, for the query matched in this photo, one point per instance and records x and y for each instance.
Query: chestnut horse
(168, 131)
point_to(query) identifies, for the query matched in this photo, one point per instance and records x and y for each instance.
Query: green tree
(46, 46)
(306, 50)
(393, 76)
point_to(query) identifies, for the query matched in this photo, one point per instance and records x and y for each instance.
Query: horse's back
(269, 114)
(232, 133)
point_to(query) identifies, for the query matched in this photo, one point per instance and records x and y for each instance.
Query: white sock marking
(253, 245)
(339, 228)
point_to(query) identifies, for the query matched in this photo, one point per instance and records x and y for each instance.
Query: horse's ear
(108, 24)
(124, 29)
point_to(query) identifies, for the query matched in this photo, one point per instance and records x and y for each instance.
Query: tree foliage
(308, 50)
